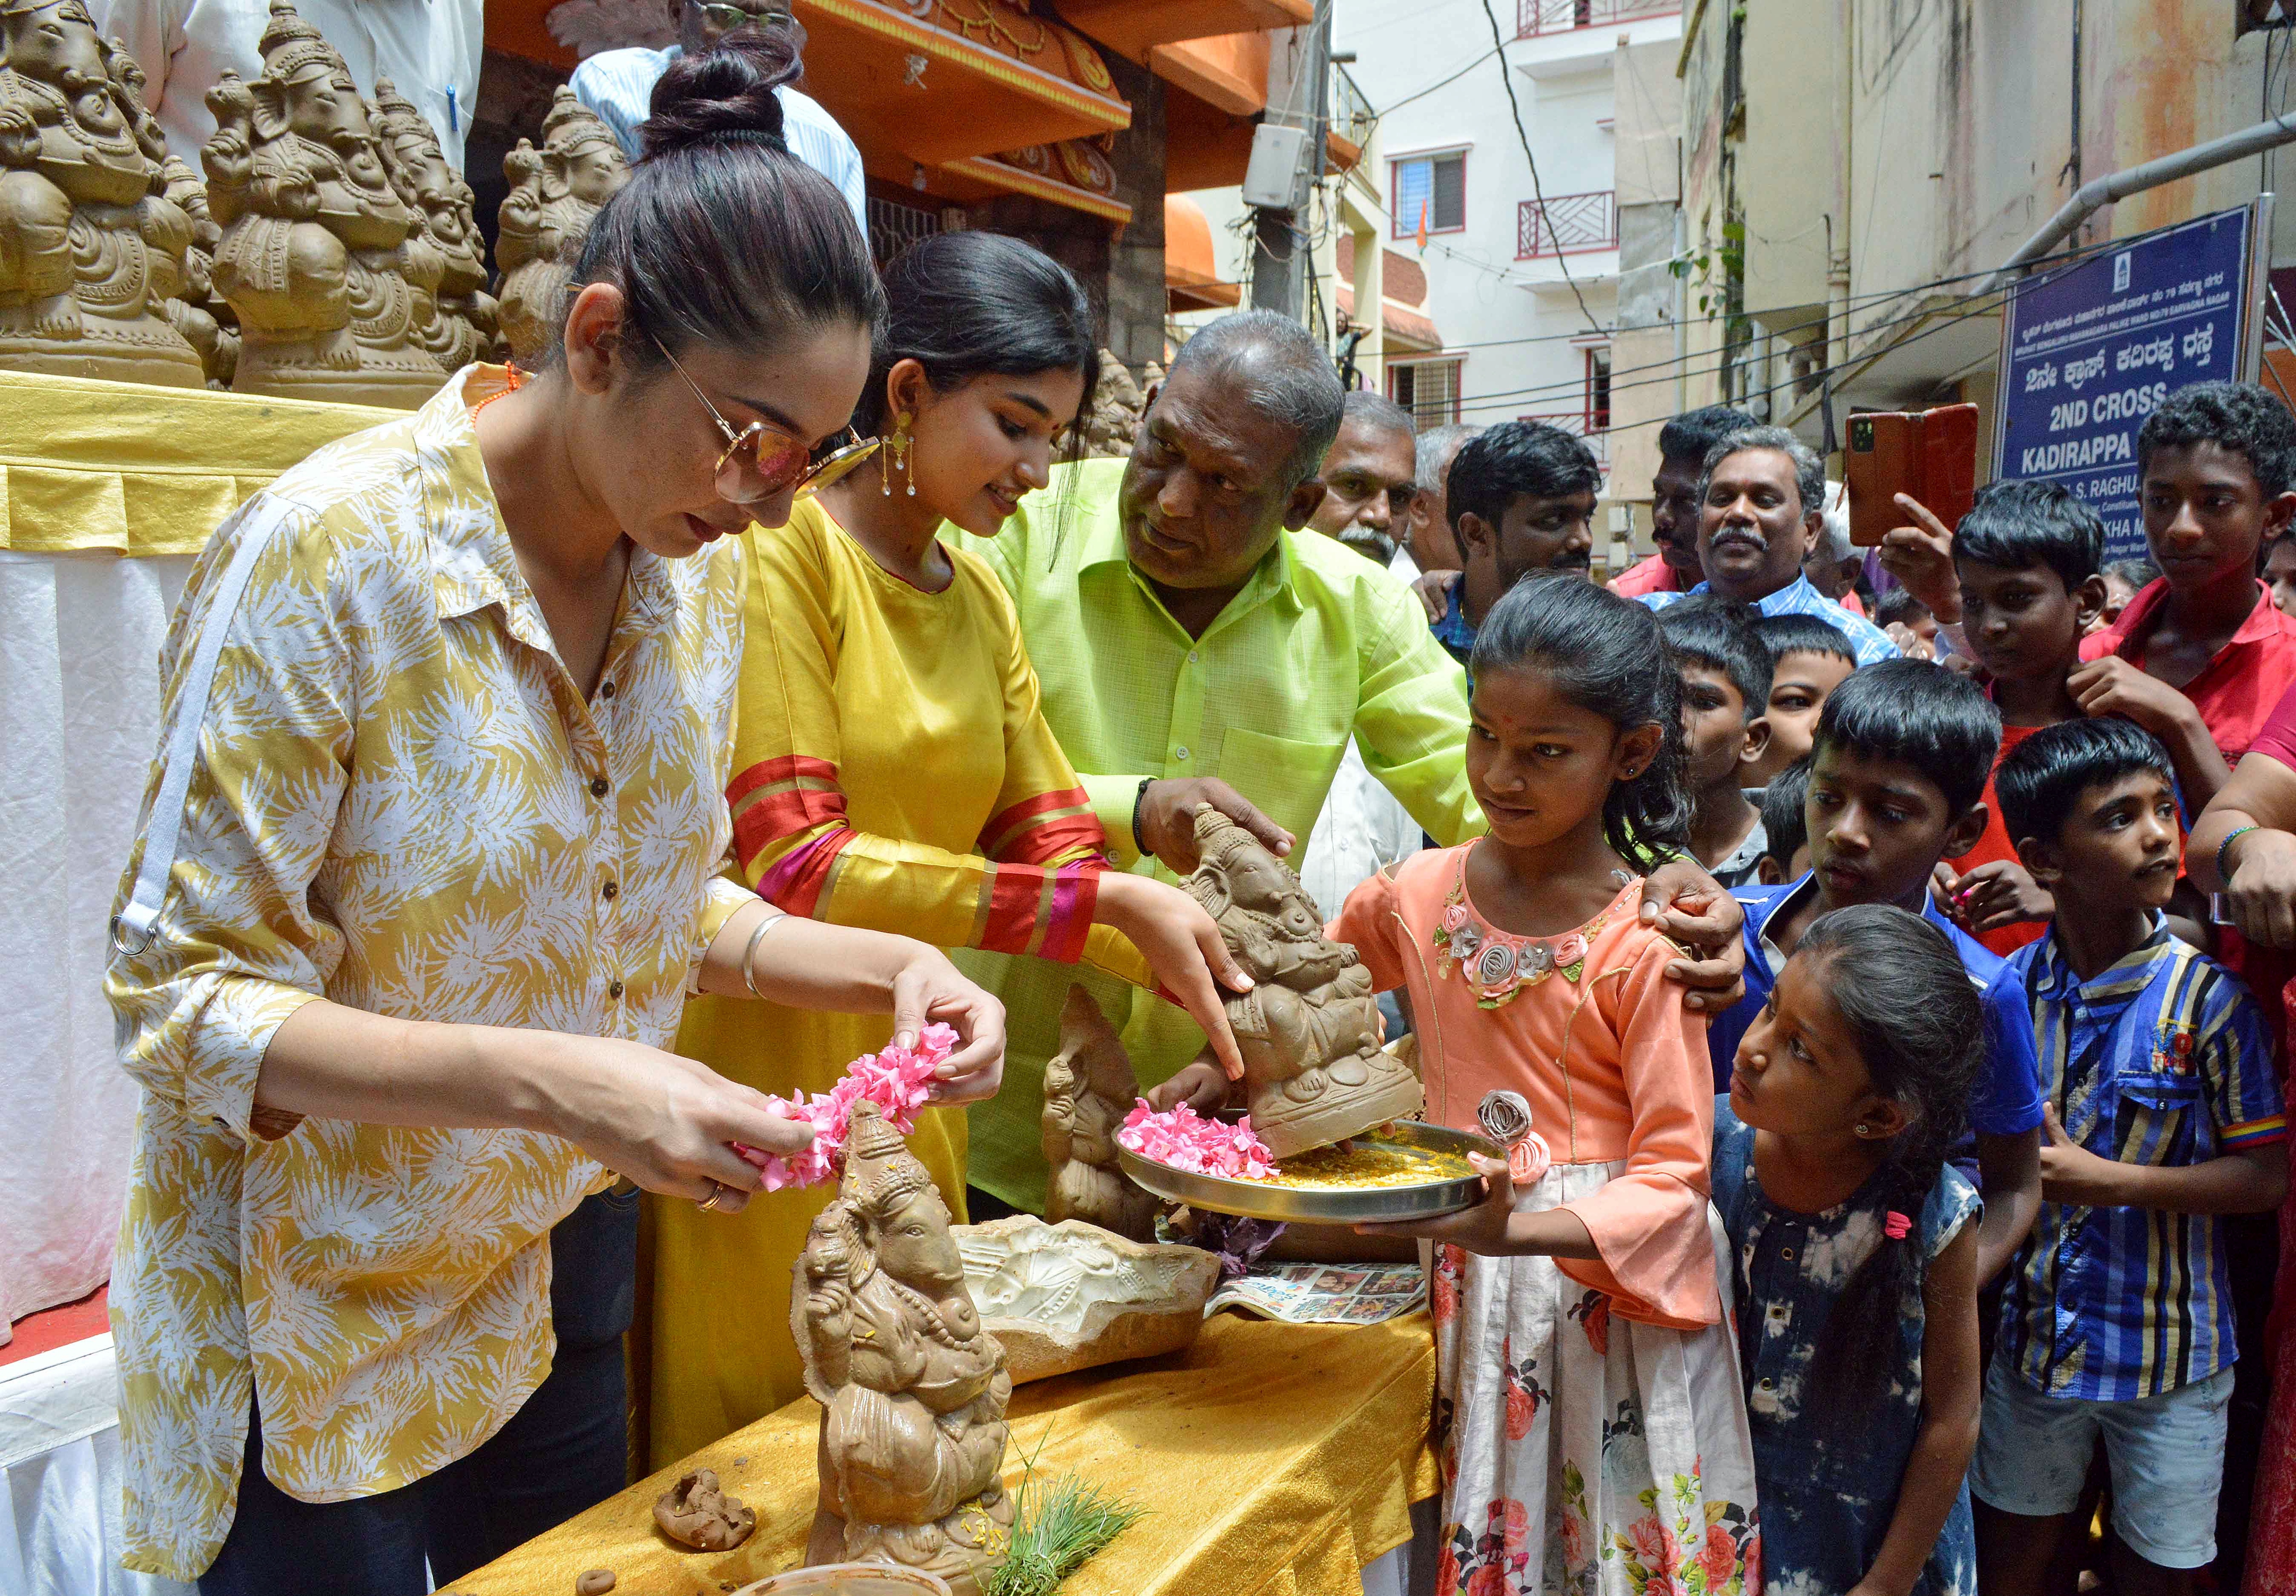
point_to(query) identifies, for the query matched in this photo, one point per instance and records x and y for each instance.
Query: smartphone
(1929, 455)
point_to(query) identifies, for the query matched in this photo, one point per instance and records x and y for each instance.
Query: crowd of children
(1964, 1223)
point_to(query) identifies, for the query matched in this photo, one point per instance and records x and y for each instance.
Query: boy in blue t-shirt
(1896, 773)
(2163, 1113)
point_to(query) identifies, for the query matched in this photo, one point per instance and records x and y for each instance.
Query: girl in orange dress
(1589, 1416)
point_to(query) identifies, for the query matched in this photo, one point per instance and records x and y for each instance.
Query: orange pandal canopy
(1076, 173)
(937, 81)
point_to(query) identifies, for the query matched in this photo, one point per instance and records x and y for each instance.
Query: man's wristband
(1139, 801)
(2224, 851)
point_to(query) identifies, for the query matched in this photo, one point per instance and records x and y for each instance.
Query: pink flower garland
(1180, 1139)
(897, 1080)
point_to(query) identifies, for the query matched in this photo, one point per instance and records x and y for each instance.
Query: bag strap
(133, 927)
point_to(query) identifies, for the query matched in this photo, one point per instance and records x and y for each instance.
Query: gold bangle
(774, 917)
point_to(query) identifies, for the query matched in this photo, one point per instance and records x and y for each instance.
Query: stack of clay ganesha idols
(554, 194)
(192, 306)
(91, 246)
(314, 258)
(1313, 1069)
(449, 255)
(913, 1390)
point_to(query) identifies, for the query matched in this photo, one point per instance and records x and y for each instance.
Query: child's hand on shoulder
(1694, 910)
(2113, 686)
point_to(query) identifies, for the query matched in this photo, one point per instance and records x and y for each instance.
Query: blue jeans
(565, 1450)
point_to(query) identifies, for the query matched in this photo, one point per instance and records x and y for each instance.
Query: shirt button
(611, 891)
(1765, 1382)
(597, 787)
(1192, 655)
(614, 990)
(1787, 1253)
(1181, 752)
(605, 689)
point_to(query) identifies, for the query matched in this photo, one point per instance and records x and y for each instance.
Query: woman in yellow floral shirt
(429, 867)
(892, 770)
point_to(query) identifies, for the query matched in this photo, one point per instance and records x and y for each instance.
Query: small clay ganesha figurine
(913, 1390)
(314, 258)
(91, 246)
(1089, 1088)
(1309, 1030)
(553, 193)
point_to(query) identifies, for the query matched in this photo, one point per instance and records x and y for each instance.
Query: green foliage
(1060, 1526)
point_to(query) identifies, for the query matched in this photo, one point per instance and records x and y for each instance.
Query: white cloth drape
(59, 1453)
(79, 705)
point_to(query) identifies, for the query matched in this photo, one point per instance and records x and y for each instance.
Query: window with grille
(1427, 388)
(1432, 186)
(894, 226)
(1598, 390)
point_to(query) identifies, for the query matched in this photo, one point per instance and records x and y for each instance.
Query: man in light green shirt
(1194, 647)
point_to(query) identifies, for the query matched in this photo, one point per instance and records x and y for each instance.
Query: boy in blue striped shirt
(2162, 1112)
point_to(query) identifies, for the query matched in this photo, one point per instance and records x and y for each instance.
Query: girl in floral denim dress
(1856, 1258)
(1590, 1421)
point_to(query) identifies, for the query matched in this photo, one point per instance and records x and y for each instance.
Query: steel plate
(1351, 1205)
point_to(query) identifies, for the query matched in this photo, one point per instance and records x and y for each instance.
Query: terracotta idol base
(1060, 1297)
(847, 1579)
(334, 373)
(160, 358)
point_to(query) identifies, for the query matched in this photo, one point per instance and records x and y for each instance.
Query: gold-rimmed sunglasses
(761, 460)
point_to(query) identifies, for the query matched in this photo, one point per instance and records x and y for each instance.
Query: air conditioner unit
(1272, 180)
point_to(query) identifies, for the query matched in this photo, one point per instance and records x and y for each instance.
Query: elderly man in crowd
(1370, 477)
(1194, 647)
(1761, 504)
(1433, 545)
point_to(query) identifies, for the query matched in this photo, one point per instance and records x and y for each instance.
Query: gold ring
(717, 1190)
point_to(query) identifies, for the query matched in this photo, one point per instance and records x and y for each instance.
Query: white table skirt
(59, 1451)
(79, 705)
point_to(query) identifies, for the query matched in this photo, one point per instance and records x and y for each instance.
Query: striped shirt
(2161, 1059)
(1869, 642)
(618, 85)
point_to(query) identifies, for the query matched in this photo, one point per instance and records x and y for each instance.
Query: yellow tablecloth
(1275, 1458)
(142, 471)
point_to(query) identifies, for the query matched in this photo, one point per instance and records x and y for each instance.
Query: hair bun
(725, 91)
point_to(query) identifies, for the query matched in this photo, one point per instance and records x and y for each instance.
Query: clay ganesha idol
(913, 1390)
(314, 257)
(91, 246)
(1089, 1088)
(1309, 1030)
(554, 193)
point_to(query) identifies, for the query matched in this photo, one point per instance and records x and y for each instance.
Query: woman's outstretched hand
(1183, 947)
(930, 988)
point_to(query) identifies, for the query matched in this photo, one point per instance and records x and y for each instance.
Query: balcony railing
(1560, 16)
(1579, 424)
(1566, 224)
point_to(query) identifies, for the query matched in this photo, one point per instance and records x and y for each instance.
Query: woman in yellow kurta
(892, 770)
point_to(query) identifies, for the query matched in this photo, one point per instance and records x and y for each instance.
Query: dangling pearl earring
(900, 452)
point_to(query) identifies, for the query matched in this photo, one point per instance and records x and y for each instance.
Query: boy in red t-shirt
(2027, 556)
(2215, 463)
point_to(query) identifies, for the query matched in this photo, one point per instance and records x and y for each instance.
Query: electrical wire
(1984, 304)
(1514, 109)
(1977, 308)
